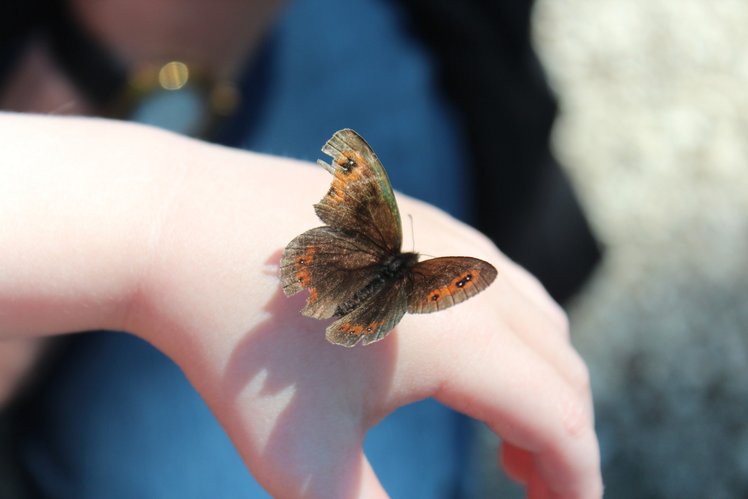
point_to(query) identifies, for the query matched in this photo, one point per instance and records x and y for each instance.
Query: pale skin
(124, 227)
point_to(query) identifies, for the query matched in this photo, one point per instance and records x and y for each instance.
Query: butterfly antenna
(412, 233)
(413, 237)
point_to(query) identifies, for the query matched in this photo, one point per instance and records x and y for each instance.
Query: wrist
(77, 198)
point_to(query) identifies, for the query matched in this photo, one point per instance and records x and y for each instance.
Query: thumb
(299, 462)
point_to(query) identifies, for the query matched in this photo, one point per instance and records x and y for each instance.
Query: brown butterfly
(353, 267)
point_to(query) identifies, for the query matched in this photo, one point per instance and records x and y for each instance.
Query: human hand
(179, 243)
(298, 407)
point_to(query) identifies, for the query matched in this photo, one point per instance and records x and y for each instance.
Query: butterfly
(353, 267)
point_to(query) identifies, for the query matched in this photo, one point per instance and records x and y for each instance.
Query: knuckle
(580, 375)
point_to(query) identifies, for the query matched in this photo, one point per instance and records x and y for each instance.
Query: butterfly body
(395, 268)
(353, 267)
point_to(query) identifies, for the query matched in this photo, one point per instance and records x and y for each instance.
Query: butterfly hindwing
(331, 264)
(373, 319)
(439, 283)
(360, 199)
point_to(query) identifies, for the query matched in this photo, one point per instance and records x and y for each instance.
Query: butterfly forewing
(360, 199)
(331, 264)
(439, 283)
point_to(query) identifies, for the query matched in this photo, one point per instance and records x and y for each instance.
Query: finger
(523, 282)
(517, 462)
(297, 447)
(539, 332)
(319, 471)
(536, 486)
(370, 485)
(530, 288)
(523, 399)
(438, 241)
(17, 357)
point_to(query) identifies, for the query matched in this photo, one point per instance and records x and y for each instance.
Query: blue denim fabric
(121, 421)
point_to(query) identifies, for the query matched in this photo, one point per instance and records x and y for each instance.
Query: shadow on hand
(335, 393)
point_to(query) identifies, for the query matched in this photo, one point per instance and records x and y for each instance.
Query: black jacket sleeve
(491, 74)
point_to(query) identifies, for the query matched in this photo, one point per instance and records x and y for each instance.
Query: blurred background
(653, 131)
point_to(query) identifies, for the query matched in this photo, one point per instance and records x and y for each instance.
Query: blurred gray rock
(654, 133)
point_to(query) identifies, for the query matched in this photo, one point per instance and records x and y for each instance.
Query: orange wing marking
(463, 282)
(350, 170)
(303, 262)
(359, 329)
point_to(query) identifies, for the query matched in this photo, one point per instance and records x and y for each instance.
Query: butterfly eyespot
(435, 297)
(461, 283)
(347, 165)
